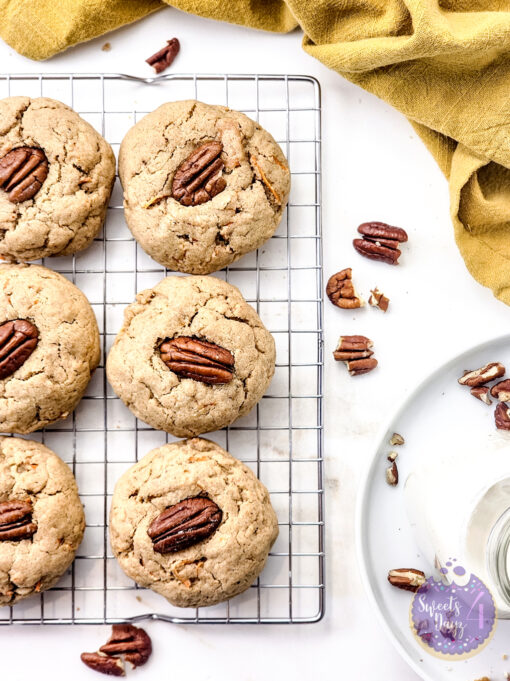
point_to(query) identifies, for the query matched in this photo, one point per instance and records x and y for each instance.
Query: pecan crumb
(378, 299)
(106, 47)
(392, 475)
(164, 57)
(392, 456)
(396, 439)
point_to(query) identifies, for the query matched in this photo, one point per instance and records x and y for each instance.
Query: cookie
(41, 518)
(56, 177)
(203, 185)
(170, 488)
(191, 357)
(49, 347)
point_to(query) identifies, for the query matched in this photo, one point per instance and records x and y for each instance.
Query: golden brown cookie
(216, 567)
(203, 185)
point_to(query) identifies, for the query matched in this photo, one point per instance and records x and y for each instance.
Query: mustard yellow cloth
(444, 64)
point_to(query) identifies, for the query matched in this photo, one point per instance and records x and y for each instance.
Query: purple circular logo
(453, 619)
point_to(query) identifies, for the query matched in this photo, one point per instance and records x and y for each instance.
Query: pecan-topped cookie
(203, 185)
(56, 176)
(191, 357)
(41, 518)
(49, 347)
(192, 523)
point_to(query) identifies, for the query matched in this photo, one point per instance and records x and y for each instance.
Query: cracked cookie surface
(203, 238)
(51, 382)
(31, 471)
(207, 309)
(215, 569)
(69, 209)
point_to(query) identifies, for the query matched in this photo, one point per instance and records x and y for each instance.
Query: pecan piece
(380, 241)
(184, 524)
(198, 179)
(482, 393)
(18, 340)
(378, 299)
(164, 57)
(407, 578)
(396, 439)
(502, 416)
(392, 474)
(202, 361)
(22, 172)
(481, 376)
(355, 352)
(99, 662)
(501, 391)
(131, 642)
(340, 290)
(16, 520)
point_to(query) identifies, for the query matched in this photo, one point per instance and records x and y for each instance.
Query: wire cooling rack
(281, 439)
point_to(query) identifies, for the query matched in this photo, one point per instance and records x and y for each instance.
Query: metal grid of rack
(281, 439)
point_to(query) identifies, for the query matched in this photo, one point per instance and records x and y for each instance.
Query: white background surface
(374, 168)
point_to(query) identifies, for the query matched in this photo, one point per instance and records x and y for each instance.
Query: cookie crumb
(106, 47)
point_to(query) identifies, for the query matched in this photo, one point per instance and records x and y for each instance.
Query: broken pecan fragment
(396, 439)
(392, 474)
(340, 290)
(16, 520)
(355, 352)
(380, 241)
(131, 642)
(481, 376)
(501, 391)
(407, 578)
(481, 393)
(378, 299)
(202, 361)
(18, 340)
(199, 178)
(22, 172)
(99, 662)
(184, 524)
(502, 416)
(164, 57)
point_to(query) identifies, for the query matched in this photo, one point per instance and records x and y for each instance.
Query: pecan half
(16, 520)
(184, 524)
(380, 241)
(164, 57)
(198, 179)
(482, 393)
(22, 172)
(502, 416)
(131, 642)
(501, 391)
(392, 474)
(407, 578)
(99, 662)
(483, 375)
(202, 361)
(18, 340)
(355, 352)
(378, 299)
(340, 290)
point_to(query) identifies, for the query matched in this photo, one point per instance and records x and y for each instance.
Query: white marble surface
(374, 167)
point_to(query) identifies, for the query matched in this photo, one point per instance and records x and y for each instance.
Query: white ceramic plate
(439, 413)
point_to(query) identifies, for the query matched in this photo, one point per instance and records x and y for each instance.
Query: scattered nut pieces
(501, 391)
(340, 290)
(355, 352)
(164, 57)
(502, 416)
(380, 242)
(481, 376)
(396, 439)
(392, 475)
(392, 456)
(482, 393)
(128, 641)
(407, 578)
(378, 299)
(99, 662)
